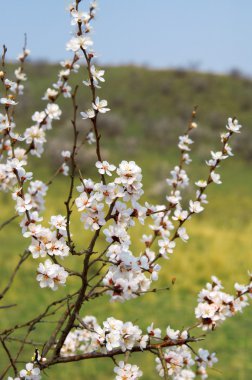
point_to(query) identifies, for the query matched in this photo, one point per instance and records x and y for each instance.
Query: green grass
(220, 238)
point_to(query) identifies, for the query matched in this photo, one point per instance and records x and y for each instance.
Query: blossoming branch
(110, 205)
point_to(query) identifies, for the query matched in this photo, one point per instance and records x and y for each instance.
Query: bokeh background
(161, 58)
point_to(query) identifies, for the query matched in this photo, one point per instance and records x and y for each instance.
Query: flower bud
(193, 125)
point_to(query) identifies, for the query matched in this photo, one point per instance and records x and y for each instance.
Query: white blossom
(51, 275)
(30, 372)
(100, 105)
(127, 371)
(89, 114)
(53, 111)
(105, 168)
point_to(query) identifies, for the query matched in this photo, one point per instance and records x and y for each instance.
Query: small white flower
(76, 43)
(172, 334)
(51, 275)
(58, 221)
(153, 333)
(195, 207)
(105, 168)
(100, 105)
(8, 102)
(233, 125)
(30, 373)
(218, 155)
(53, 111)
(166, 246)
(64, 169)
(90, 137)
(127, 371)
(38, 117)
(180, 214)
(20, 75)
(182, 234)
(97, 74)
(50, 94)
(66, 153)
(216, 178)
(201, 183)
(89, 114)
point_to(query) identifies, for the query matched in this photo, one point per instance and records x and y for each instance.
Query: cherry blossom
(30, 373)
(51, 275)
(105, 168)
(100, 105)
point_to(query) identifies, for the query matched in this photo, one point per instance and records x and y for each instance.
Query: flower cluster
(179, 364)
(126, 371)
(114, 334)
(214, 305)
(51, 275)
(13, 174)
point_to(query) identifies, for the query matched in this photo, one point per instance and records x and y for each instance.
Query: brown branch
(163, 362)
(52, 339)
(8, 221)
(73, 170)
(41, 316)
(117, 351)
(8, 306)
(3, 56)
(12, 363)
(23, 257)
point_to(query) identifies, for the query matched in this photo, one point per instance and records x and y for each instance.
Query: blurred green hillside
(149, 110)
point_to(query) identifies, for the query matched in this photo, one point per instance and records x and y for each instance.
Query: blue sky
(214, 35)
